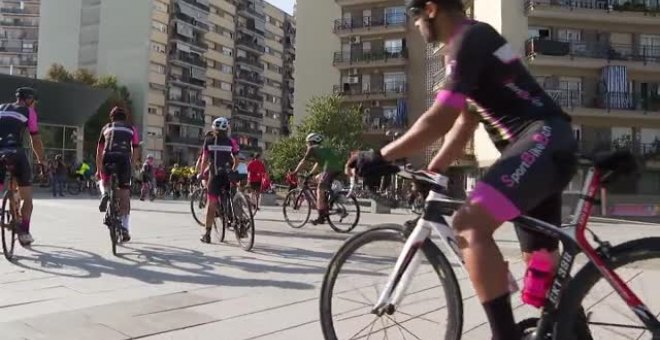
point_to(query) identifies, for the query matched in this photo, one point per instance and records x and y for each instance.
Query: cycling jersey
(327, 158)
(119, 137)
(14, 120)
(483, 67)
(219, 151)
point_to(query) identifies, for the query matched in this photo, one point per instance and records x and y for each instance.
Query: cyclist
(15, 118)
(331, 166)
(531, 131)
(118, 145)
(219, 155)
(148, 177)
(82, 172)
(256, 173)
(175, 177)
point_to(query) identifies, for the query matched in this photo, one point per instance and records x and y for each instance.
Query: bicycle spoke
(373, 324)
(404, 328)
(362, 329)
(645, 330)
(384, 328)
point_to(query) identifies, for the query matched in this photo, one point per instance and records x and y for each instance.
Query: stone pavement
(168, 285)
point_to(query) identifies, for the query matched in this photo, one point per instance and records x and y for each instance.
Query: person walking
(256, 172)
(59, 176)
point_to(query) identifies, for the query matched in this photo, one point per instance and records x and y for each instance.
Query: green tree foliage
(120, 97)
(340, 125)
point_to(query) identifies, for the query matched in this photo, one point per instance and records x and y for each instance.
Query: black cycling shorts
(327, 177)
(218, 183)
(120, 164)
(529, 179)
(20, 167)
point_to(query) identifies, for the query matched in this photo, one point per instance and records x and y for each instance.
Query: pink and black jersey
(219, 151)
(482, 67)
(14, 120)
(119, 137)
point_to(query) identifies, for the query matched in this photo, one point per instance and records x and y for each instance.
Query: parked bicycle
(77, 186)
(343, 308)
(343, 209)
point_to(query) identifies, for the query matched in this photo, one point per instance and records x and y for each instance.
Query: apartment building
(202, 60)
(19, 33)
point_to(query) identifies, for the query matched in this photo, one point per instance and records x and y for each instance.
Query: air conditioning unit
(355, 40)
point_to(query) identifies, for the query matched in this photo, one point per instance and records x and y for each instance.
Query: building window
(157, 68)
(227, 51)
(394, 45)
(159, 26)
(159, 6)
(160, 48)
(394, 81)
(154, 110)
(154, 131)
(226, 69)
(225, 86)
(395, 15)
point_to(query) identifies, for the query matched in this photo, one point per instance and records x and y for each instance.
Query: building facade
(202, 59)
(19, 34)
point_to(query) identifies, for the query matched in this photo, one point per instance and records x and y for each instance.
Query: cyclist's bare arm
(235, 165)
(303, 161)
(314, 168)
(433, 124)
(455, 141)
(205, 160)
(37, 147)
(136, 155)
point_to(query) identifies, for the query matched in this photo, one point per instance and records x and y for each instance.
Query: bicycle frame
(572, 236)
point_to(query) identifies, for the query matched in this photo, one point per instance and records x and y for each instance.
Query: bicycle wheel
(7, 223)
(220, 229)
(346, 311)
(609, 317)
(113, 221)
(296, 208)
(73, 187)
(198, 201)
(244, 220)
(344, 213)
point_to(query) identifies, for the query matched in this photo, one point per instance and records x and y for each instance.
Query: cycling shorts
(21, 169)
(327, 177)
(529, 179)
(120, 164)
(217, 184)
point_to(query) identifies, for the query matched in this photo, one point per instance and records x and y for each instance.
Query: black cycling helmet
(118, 113)
(24, 93)
(415, 7)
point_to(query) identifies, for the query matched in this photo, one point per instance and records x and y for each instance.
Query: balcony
(188, 81)
(247, 131)
(376, 122)
(186, 101)
(354, 93)
(249, 9)
(18, 23)
(20, 62)
(250, 78)
(188, 59)
(646, 151)
(595, 11)
(371, 25)
(545, 52)
(249, 96)
(17, 49)
(615, 104)
(250, 45)
(185, 119)
(248, 112)
(365, 2)
(195, 43)
(249, 29)
(28, 11)
(192, 22)
(344, 60)
(250, 61)
(183, 140)
(199, 4)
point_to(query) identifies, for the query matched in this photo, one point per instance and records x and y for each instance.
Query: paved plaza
(167, 285)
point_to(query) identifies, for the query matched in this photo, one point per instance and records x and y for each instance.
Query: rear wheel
(8, 225)
(344, 213)
(296, 208)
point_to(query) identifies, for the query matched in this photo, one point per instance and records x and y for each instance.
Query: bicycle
(198, 201)
(10, 215)
(112, 218)
(235, 215)
(305, 195)
(564, 300)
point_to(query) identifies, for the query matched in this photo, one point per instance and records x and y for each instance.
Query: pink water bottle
(538, 278)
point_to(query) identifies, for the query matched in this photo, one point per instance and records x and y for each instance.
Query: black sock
(500, 317)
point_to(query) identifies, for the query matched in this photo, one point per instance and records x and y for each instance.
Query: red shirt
(256, 170)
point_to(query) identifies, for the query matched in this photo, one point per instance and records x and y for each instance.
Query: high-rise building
(202, 60)
(19, 33)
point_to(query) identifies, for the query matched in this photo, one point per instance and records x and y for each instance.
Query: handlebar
(418, 176)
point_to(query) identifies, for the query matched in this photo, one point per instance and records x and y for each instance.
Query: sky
(286, 5)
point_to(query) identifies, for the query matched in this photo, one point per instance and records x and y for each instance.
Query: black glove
(370, 164)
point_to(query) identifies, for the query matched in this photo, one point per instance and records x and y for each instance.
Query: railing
(247, 8)
(203, 5)
(185, 100)
(632, 101)
(247, 112)
(197, 141)
(250, 44)
(187, 79)
(643, 53)
(250, 96)
(198, 43)
(198, 24)
(395, 20)
(18, 23)
(246, 60)
(604, 5)
(187, 58)
(25, 11)
(384, 90)
(18, 62)
(366, 57)
(252, 78)
(18, 49)
(644, 150)
(186, 119)
(242, 129)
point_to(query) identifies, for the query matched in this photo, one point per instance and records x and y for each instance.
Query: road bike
(343, 208)
(344, 307)
(10, 215)
(235, 215)
(112, 217)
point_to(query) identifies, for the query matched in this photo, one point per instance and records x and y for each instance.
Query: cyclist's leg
(528, 172)
(23, 176)
(530, 241)
(124, 177)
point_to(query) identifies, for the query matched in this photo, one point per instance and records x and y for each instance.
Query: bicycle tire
(113, 211)
(8, 233)
(73, 188)
(196, 199)
(288, 199)
(392, 232)
(245, 221)
(220, 230)
(588, 276)
(354, 202)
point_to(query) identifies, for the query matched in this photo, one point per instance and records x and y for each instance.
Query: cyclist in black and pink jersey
(531, 131)
(15, 118)
(117, 146)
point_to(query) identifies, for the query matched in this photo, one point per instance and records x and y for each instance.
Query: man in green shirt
(331, 166)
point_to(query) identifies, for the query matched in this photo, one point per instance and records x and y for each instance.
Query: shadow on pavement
(299, 233)
(146, 263)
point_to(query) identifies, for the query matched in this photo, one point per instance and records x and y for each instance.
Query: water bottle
(538, 278)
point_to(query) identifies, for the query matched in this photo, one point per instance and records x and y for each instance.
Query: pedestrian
(256, 172)
(60, 173)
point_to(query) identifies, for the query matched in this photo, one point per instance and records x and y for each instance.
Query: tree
(120, 97)
(340, 125)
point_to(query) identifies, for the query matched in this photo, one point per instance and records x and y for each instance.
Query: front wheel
(8, 225)
(198, 202)
(357, 274)
(296, 208)
(608, 316)
(344, 213)
(244, 221)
